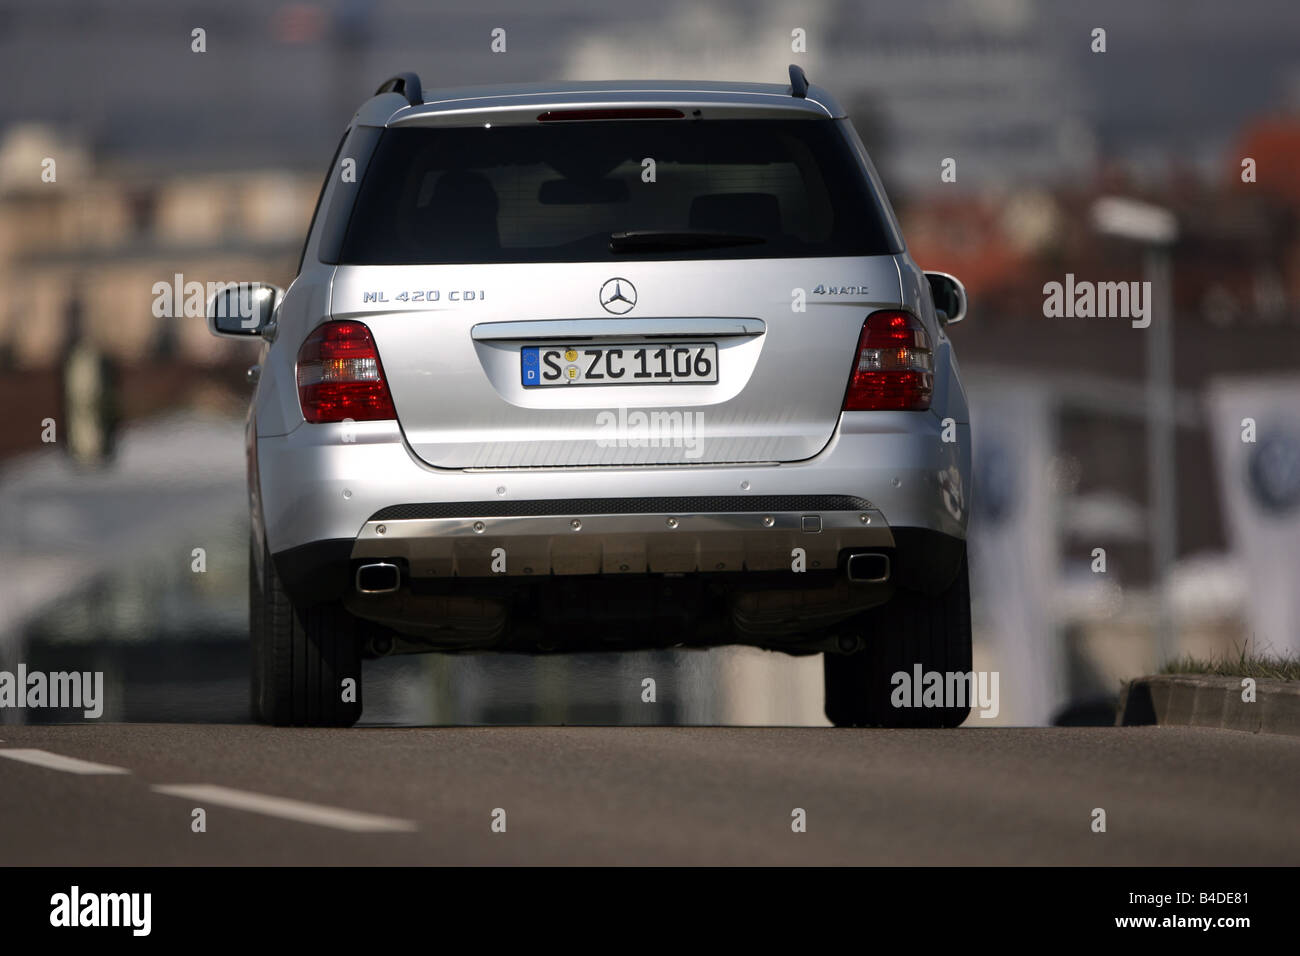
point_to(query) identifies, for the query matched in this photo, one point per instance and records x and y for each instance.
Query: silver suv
(605, 366)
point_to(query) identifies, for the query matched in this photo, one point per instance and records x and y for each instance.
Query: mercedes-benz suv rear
(605, 366)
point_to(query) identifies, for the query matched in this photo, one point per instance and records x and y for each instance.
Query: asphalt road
(683, 795)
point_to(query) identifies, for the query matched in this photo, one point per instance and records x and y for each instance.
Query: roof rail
(798, 82)
(407, 84)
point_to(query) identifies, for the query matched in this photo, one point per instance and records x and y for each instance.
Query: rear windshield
(566, 192)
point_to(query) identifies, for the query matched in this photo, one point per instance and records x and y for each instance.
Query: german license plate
(693, 363)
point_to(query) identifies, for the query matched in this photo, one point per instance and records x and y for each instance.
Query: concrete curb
(1197, 700)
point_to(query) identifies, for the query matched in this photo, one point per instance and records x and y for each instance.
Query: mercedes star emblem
(618, 295)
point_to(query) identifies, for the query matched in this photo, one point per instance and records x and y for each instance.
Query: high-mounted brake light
(339, 376)
(894, 368)
(572, 116)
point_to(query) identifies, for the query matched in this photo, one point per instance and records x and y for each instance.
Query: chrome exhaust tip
(378, 577)
(868, 567)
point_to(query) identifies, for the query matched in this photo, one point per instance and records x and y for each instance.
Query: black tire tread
(300, 657)
(911, 628)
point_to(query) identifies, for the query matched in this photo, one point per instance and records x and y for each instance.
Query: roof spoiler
(408, 85)
(798, 82)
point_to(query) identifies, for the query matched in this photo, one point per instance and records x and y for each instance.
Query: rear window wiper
(649, 239)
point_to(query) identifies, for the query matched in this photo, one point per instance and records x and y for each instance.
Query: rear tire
(911, 629)
(301, 657)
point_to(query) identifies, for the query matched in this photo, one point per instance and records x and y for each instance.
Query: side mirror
(949, 297)
(243, 309)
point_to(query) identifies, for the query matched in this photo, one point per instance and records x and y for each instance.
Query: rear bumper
(624, 536)
(886, 481)
(919, 559)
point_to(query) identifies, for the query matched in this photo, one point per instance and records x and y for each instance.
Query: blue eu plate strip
(528, 366)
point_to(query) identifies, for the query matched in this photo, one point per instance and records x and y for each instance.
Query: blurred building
(99, 240)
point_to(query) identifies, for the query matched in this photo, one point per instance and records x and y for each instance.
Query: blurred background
(1088, 434)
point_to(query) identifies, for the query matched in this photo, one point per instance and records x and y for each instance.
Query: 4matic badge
(840, 289)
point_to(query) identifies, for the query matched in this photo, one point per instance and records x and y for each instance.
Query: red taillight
(339, 376)
(893, 368)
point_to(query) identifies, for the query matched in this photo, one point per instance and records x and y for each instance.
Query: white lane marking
(287, 809)
(43, 758)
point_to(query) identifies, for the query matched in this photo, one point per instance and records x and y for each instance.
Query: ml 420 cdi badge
(605, 366)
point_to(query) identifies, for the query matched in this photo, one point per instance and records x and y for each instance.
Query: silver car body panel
(315, 485)
(773, 401)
